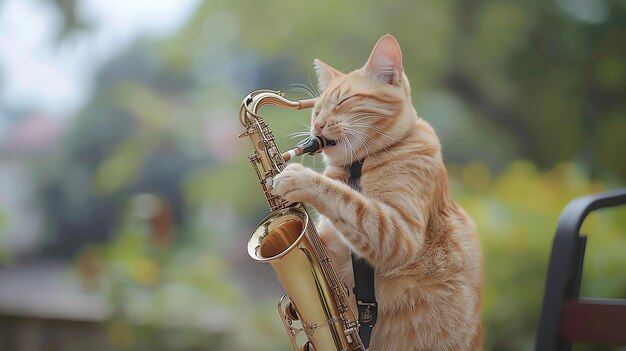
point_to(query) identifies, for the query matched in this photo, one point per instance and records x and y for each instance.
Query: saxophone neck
(266, 160)
(255, 100)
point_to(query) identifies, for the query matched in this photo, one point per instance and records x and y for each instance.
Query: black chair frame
(565, 317)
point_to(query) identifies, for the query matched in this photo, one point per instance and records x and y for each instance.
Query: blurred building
(21, 224)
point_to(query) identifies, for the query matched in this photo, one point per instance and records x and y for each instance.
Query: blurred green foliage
(517, 213)
(527, 97)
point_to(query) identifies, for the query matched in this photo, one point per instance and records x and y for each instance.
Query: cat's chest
(388, 292)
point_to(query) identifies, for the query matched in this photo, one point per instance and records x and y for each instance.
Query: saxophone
(315, 302)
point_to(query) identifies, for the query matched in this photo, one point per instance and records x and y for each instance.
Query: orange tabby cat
(424, 248)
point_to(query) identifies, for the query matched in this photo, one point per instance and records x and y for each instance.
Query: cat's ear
(385, 62)
(325, 74)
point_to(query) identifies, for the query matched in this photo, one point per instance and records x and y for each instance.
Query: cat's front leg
(296, 183)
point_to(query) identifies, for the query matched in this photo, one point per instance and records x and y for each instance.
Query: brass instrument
(316, 302)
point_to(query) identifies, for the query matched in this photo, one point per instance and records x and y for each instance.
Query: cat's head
(366, 110)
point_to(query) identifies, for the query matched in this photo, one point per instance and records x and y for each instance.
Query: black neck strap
(363, 276)
(354, 181)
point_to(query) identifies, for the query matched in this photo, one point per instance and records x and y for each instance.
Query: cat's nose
(319, 126)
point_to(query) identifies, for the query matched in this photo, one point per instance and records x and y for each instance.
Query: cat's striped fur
(423, 246)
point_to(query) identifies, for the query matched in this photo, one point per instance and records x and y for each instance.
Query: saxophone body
(316, 302)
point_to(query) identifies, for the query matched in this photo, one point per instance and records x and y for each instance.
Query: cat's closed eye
(345, 99)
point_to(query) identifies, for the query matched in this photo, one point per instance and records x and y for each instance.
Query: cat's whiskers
(345, 148)
(349, 114)
(370, 126)
(298, 134)
(359, 117)
(369, 112)
(349, 144)
(374, 140)
(358, 120)
(356, 157)
(382, 146)
(311, 85)
(367, 147)
(352, 134)
(305, 89)
(378, 129)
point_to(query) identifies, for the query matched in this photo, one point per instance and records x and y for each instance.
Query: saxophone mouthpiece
(306, 104)
(311, 146)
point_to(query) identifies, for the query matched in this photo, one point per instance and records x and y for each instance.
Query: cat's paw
(295, 183)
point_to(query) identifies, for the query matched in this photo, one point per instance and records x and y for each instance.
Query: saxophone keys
(246, 133)
(290, 311)
(307, 346)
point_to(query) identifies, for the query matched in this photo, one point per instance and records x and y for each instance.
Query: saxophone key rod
(311, 146)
